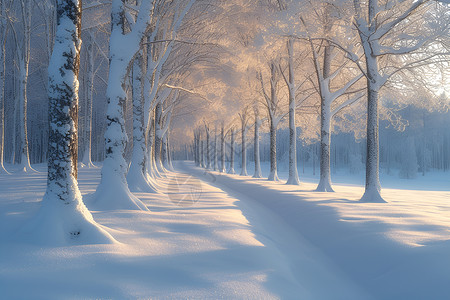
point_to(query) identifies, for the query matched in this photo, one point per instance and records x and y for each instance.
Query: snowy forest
(225, 149)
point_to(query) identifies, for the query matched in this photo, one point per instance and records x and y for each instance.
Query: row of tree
(359, 53)
(171, 63)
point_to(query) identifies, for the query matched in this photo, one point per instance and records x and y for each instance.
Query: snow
(237, 237)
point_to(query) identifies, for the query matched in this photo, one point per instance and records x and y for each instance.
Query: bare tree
(384, 31)
(113, 191)
(290, 82)
(232, 146)
(272, 105)
(257, 159)
(4, 8)
(23, 50)
(70, 220)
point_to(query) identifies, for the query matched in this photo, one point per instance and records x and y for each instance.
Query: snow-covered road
(217, 236)
(364, 245)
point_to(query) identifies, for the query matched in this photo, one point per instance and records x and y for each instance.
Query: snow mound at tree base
(113, 194)
(137, 182)
(372, 196)
(324, 186)
(60, 224)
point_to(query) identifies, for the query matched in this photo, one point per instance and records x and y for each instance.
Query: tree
(386, 31)
(222, 148)
(243, 116)
(215, 149)
(87, 160)
(290, 82)
(257, 159)
(232, 145)
(272, 104)
(4, 7)
(63, 218)
(208, 146)
(113, 191)
(137, 181)
(333, 86)
(23, 50)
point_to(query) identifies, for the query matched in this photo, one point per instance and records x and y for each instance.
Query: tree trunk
(87, 160)
(169, 153)
(325, 129)
(2, 88)
(158, 137)
(273, 176)
(325, 149)
(222, 150)
(257, 159)
(69, 220)
(113, 191)
(165, 152)
(197, 149)
(136, 177)
(208, 152)
(372, 188)
(293, 173)
(202, 158)
(231, 169)
(216, 166)
(244, 150)
(23, 103)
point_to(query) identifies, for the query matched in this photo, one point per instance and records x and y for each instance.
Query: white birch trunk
(87, 160)
(293, 173)
(244, 148)
(374, 82)
(165, 152)
(222, 150)
(136, 177)
(113, 191)
(325, 149)
(197, 149)
(23, 104)
(208, 151)
(216, 165)
(2, 84)
(63, 218)
(23, 54)
(202, 158)
(158, 137)
(231, 169)
(258, 173)
(372, 187)
(273, 175)
(325, 124)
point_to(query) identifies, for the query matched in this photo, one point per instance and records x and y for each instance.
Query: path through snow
(211, 236)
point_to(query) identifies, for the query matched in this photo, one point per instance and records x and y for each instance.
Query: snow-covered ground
(212, 236)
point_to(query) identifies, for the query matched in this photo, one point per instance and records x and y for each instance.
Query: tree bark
(113, 191)
(71, 221)
(202, 158)
(293, 173)
(325, 129)
(158, 137)
(136, 177)
(273, 176)
(216, 165)
(208, 150)
(257, 159)
(244, 149)
(231, 169)
(2, 85)
(222, 150)
(87, 160)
